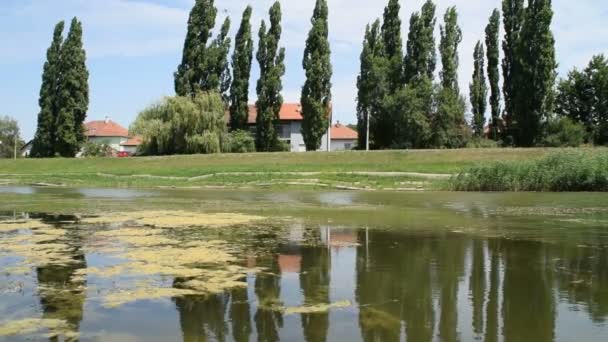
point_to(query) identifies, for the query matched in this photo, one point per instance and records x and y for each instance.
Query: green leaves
(241, 71)
(64, 96)
(204, 65)
(272, 68)
(316, 92)
(478, 91)
(421, 57)
(492, 32)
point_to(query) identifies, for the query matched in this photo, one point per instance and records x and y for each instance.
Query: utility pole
(15, 147)
(367, 133)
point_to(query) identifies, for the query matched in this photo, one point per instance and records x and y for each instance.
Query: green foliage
(44, 140)
(564, 133)
(412, 107)
(492, 44)
(64, 96)
(182, 125)
(241, 71)
(272, 67)
(448, 126)
(564, 171)
(451, 36)
(513, 18)
(9, 136)
(583, 97)
(536, 73)
(204, 65)
(421, 56)
(371, 83)
(316, 92)
(478, 91)
(72, 95)
(238, 142)
(93, 149)
(393, 45)
(482, 143)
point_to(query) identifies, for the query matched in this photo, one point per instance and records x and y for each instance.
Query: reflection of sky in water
(115, 193)
(338, 198)
(19, 190)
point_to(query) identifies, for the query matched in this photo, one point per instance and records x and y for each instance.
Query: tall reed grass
(562, 171)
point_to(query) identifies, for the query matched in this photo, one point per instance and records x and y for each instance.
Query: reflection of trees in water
(394, 285)
(492, 317)
(268, 321)
(314, 281)
(202, 317)
(61, 296)
(582, 277)
(240, 316)
(477, 284)
(449, 255)
(528, 300)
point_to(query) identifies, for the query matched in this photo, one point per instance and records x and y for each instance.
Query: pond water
(117, 265)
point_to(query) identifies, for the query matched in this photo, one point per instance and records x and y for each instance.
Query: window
(348, 146)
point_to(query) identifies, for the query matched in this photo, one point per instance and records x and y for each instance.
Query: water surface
(416, 267)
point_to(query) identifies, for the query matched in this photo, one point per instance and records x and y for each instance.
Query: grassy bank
(565, 171)
(402, 170)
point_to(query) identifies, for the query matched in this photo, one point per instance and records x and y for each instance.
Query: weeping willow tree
(182, 125)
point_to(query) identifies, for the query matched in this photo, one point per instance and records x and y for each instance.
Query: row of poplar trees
(528, 69)
(205, 68)
(401, 106)
(64, 96)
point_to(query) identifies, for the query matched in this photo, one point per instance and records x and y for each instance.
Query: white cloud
(148, 28)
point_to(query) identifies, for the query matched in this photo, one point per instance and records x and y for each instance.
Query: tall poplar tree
(536, 75)
(451, 37)
(316, 93)
(272, 67)
(492, 32)
(73, 94)
(478, 91)
(421, 56)
(189, 74)
(393, 45)
(216, 70)
(44, 140)
(241, 71)
(513, 17)
(448, 123)
(371, 83)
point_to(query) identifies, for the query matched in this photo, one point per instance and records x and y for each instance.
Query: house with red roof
(110, 133)
(290, 130)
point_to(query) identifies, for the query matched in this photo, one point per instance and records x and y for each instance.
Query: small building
(26, 150)
(110, 133)
(290, 130)
(343, 138)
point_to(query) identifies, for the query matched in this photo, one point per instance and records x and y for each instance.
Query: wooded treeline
(405, 96)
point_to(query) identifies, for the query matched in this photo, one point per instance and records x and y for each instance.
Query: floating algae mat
(176, 219)
(353, 266)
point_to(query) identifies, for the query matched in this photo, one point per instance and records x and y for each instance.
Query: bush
(482, 143)
(182, 125)
(564, 133)
(93, 149)
(238, 142)
(565, 171)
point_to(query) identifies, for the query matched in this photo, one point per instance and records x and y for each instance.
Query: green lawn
(265, 168)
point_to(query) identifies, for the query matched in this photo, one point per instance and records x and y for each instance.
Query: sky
(134, 46)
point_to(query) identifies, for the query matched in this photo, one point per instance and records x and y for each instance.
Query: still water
(312, 267)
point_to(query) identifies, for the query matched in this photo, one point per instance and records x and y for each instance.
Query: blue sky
(134, 46)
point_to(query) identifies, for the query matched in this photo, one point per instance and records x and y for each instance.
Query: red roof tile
(134, 141)
(340, 132)
(105, 128)
(289, 112)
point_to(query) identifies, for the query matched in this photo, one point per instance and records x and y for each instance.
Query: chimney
(107, 120)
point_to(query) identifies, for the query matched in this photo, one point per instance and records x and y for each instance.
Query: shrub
(238, 142)
(482, 143)
(565, 171)
(93, 149)
(182, 125)
(564, 132)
